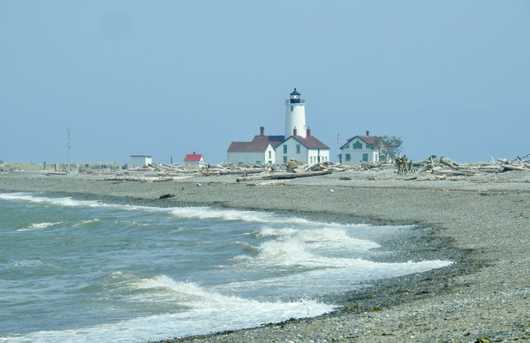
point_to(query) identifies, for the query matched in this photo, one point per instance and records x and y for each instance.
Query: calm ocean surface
(77, 270)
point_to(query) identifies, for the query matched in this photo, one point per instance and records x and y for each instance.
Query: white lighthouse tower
(295, 115)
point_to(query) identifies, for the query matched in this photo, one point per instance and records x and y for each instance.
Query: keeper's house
(260, 150)
(360, 149)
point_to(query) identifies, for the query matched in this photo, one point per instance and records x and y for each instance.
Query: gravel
(482, 224)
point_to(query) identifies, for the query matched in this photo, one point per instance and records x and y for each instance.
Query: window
(297, 148)
(370, 146)
(284, 159)
(357, 145)
(285, 149)
(270, 154)
(365, 157)
(292, 108)
(348, 157)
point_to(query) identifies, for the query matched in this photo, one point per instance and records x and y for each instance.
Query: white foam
(303, 248)
(337, 280)
(325, 237)
(86, 222)
(208, 312)
(180, 212)
(39, 226)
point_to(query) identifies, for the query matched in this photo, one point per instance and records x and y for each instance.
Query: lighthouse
(295, 116)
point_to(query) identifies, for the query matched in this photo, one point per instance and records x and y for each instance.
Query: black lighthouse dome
(295, 97)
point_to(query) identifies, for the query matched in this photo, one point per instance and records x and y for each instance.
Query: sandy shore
(482, 224)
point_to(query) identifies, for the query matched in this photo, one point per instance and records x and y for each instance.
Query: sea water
(78, 270)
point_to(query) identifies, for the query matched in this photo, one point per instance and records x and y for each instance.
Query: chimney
(262, 131)
(367, 133)
(308, 132)
(295, 132)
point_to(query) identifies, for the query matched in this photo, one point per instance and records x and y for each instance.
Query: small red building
(194, 160)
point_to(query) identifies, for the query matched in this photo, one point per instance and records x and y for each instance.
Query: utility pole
(68, 146)
(338, 147)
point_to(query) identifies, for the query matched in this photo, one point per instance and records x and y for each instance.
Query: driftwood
(510, 167)
(284, 176)
(219, 172)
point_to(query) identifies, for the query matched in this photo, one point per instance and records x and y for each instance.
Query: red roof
(193, 157)
(258, 144)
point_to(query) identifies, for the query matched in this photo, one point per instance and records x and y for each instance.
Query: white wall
(139, 161)
(356, 155)
(295, 118)
(195, 164)
(307, 156)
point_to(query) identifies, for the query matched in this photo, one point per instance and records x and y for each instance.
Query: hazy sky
(170, 77)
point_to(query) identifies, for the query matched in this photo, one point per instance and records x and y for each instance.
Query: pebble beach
(483, 225)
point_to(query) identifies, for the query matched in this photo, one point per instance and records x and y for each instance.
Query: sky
(170, 77)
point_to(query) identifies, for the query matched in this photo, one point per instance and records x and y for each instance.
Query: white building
(360, 149)
(260, 150)
(140, 161)
(194, 160)
(298, 144)
(308, 150)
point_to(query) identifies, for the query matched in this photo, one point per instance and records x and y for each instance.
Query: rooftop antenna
(68, 145)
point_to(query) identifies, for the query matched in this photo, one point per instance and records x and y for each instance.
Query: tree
(390, 147)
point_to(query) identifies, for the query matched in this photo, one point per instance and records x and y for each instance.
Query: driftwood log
(284, 176)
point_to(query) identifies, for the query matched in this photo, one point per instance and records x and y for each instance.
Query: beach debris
(483, 340)
(404, 165)
(442, 168)
(292, 166)
(283, 176)
(166, 196)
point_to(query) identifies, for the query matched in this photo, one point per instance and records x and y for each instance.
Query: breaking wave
(328, 237)
(179, 212)
(39, 226)
(206, 309)
(292, 247)
(87, 222)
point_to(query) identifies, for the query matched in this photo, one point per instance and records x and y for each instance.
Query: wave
(39, 226)
(21, 264)
(295, 252)
(87, 222)
(208, 312)
(179, 212)
(303, 248)
(323, 237)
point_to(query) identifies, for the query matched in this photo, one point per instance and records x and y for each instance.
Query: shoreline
(485, 294)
